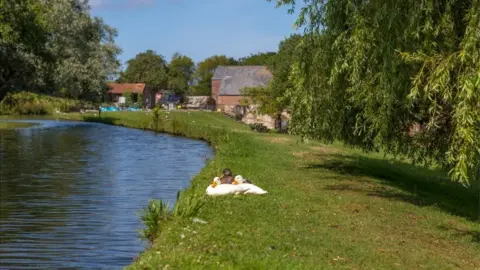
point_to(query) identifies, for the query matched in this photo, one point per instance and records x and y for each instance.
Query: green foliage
(281, 68)
(368, 70)
(22, 29)
(139, 103)
(188, 203)
(147, 67)
(55, 47)
(180, 73)
(259, 59)
(27, 103)
(156, 122)
(159, 212)
(272, 99)
(204, 73)
(263, 96)
(133, 99)
(153, 217)
(128, 98)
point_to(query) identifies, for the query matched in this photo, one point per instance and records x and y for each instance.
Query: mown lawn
(327, 207)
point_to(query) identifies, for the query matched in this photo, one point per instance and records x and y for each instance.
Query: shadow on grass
(415, 185)
(473, 235)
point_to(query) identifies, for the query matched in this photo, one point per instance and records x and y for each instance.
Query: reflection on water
(70, 192)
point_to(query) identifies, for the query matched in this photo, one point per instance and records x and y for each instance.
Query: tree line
(56, 47)
(181, 74)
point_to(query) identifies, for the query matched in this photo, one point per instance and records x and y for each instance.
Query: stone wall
(253, 117)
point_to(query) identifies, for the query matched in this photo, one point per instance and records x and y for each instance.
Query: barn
(228, 82)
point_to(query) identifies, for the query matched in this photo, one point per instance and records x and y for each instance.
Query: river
(70, 192)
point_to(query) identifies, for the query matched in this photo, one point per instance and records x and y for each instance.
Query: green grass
(28, 103)
(14, 125)
(328, 207)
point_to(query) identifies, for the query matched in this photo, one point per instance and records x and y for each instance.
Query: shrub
(153, 217)
(189, 205)
(156, 121)
(133, 99)
(27, 103)
(158, 212)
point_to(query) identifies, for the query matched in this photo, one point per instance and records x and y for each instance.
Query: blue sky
(196, 28)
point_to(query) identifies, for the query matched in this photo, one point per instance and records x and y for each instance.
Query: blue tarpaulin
(115, 109)
(109, 109)
(133, 109)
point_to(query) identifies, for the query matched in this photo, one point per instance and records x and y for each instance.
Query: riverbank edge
(215, 137)
(9, 125)
(238, 144)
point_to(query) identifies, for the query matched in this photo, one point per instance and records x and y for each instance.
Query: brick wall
(215, 88)
(229, 100)
(229, 103)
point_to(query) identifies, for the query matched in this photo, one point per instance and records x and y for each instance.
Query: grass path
(328, 207)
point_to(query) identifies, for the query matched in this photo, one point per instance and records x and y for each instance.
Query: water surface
(70, 192)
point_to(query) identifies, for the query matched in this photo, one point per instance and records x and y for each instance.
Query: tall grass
(153, 217)
(27, 103)
(159, 212)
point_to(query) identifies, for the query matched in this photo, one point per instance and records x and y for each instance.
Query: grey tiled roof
(235, 78)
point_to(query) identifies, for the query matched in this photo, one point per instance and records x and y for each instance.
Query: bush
(133, 100)
(27, 103)
(156, 213)
(258, 127)
(189, 205)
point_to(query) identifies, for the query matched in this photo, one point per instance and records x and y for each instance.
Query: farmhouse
(150, 96)
(228, 82)
(227, 85)
(117, 90)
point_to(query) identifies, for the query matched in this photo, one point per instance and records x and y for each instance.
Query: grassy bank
(327, 207)
(14, 125)
(27, 103)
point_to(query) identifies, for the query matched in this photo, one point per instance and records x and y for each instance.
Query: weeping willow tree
(368, 70)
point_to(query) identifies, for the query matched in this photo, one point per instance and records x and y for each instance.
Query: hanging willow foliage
(369, 70)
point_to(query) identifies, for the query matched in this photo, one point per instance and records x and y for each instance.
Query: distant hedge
(28, 103)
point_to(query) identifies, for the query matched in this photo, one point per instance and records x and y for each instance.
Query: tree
(180, 73)
(204, 73)
(272, 98)
(55, 47)
(83, 48)
(23, 33)
(259, 59)
(353, 78)
(281, 66)
(147, 67)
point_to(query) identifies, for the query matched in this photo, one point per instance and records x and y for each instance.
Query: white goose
(217, 188)
(251, 188)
